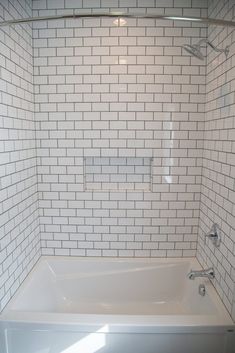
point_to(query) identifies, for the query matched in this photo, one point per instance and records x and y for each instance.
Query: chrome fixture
(208, 273)
(195, 49)
(202, 290)
(214, 235)
(77, 15)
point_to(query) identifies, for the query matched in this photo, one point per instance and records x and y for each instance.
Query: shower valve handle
(214, 235)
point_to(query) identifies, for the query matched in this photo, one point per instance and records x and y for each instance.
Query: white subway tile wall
(19, 221)
(130, 160)
(218, 187)
(110, 92)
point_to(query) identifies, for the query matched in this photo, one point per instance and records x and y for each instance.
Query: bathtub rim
(139, 324)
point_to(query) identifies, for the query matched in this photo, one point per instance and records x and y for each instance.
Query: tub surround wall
(120, 121)
(217, 193)
(19, 222)
(123, 100)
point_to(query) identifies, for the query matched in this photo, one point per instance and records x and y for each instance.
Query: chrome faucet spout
(208, 273)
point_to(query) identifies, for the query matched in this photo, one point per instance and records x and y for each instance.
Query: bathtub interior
(115, 287)
(69, 305)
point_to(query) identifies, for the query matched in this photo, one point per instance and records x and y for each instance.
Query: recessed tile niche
(117, 174)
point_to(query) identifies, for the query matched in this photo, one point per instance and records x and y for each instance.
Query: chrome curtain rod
(119, 15)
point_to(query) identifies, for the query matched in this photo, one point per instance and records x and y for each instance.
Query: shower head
(195, 49)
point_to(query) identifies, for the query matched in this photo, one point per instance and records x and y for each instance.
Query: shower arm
(206, 41)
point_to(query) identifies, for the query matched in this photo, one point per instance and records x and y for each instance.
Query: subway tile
(125, 93)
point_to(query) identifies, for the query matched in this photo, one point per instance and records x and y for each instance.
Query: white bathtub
(73, 305)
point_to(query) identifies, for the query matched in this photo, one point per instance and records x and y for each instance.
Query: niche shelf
(118, 174)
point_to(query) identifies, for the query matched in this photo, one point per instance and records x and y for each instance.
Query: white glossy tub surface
(116, 287)
(123, 296)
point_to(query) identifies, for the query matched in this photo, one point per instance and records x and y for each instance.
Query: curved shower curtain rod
(119, 15)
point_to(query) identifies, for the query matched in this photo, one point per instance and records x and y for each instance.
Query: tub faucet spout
(208, 273)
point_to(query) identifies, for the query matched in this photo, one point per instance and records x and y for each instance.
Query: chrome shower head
(195, 49)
